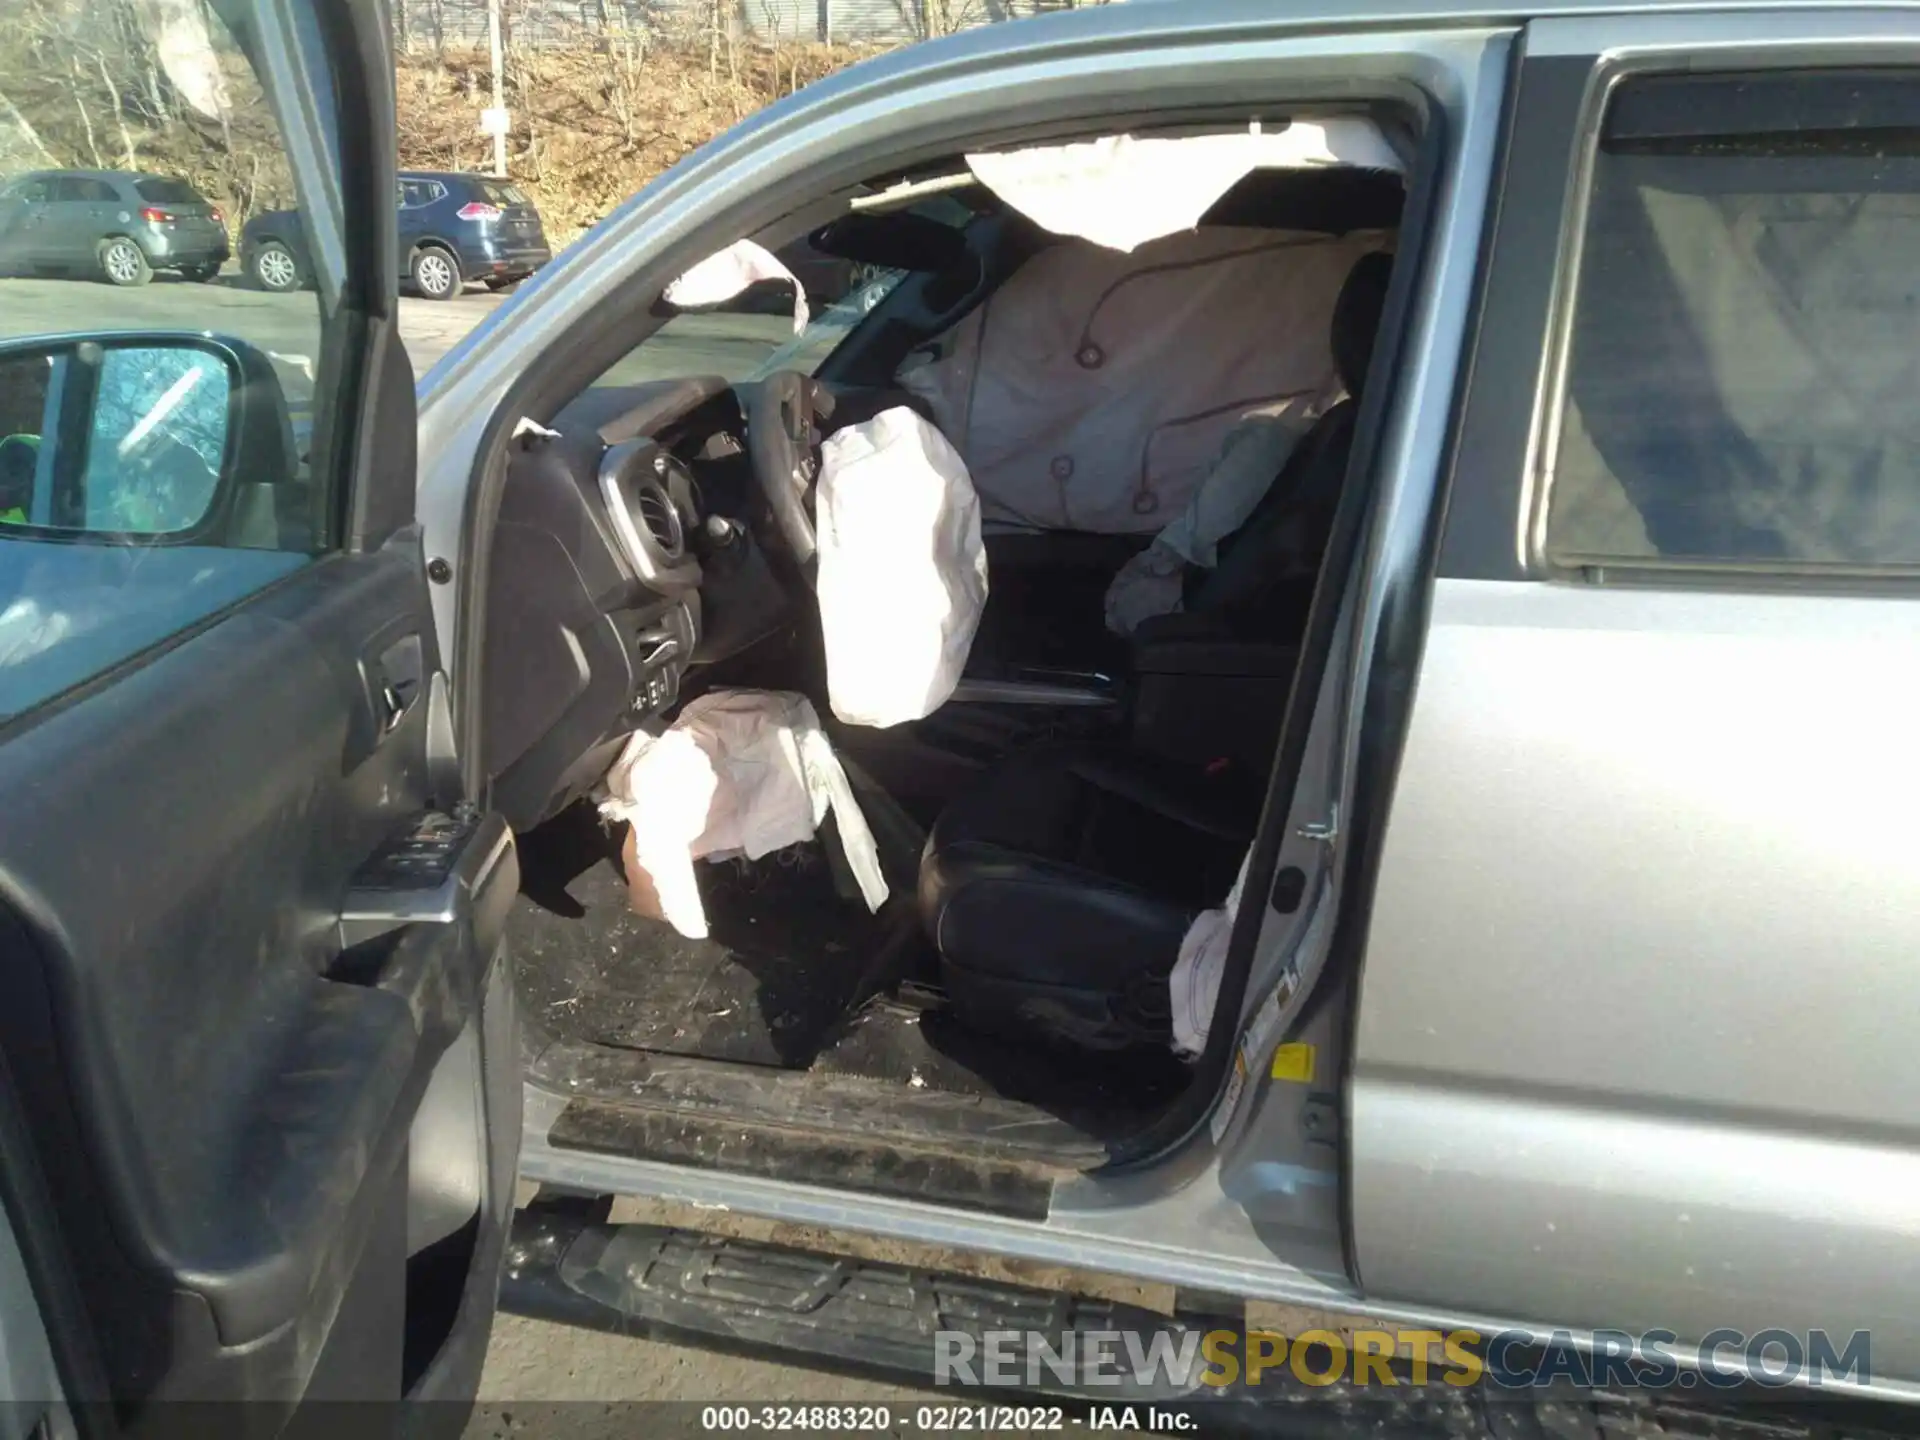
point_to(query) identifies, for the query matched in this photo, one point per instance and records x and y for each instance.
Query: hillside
(86, 85)
(592, 125)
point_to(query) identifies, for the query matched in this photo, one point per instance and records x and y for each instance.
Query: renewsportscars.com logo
(1508, 1359)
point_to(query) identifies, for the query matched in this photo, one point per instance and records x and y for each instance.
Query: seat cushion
(1057, 892)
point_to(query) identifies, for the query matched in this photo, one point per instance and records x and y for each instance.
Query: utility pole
(499, 117)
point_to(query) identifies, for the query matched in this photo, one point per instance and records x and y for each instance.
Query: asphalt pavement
(288, 326)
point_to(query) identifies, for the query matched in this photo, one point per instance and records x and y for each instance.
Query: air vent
(634, 480)
(659, 519)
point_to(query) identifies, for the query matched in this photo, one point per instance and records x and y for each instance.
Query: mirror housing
(892, 240)
(140, 438)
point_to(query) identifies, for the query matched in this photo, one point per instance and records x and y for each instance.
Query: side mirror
(137, 438)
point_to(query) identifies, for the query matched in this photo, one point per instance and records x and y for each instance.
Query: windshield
(751, 336)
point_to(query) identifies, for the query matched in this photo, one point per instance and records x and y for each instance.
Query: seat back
(1265, 576)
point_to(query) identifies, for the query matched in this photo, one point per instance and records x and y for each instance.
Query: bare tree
(930, 19)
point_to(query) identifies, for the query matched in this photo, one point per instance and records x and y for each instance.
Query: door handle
(395, 681)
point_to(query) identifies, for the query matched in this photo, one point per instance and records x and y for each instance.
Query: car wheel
(199, 274)
(864, 286)
(124, 263)
(435, 274)
(274, 268)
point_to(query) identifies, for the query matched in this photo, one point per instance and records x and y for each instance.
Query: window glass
(498, 192)
(752, 335)
(1743, 358)
(166, 192)
(157, 401)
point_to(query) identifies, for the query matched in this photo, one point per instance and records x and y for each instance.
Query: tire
(122, 262)
(199, 274)
(862, 287)
(435, 273)
(274, 267)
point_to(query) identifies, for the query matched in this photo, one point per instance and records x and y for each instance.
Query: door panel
(252, 998)
(1631, 1049)
(228, 1089)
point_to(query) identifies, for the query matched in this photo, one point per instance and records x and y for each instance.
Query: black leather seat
(1057, 892)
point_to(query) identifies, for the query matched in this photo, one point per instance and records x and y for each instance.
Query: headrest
(1356, 318)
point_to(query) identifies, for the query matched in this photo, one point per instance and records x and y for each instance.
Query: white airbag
(1120, 191)
(740, 772)
(1094, 389)
(902, 570)
(1195, 982)
(1251, 458)
(720, 277)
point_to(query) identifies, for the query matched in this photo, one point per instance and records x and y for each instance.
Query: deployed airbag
(730, 272)
(741, 772)
(1252, 456)
(1094, 389)
(1195, 983)
(1099, 190)
(902, 571)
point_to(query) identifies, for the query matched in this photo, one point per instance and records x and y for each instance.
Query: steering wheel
(783, 445)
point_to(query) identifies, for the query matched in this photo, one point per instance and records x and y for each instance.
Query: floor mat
(785, 957)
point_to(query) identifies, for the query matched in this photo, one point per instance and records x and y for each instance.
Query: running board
(797, 1307)
(870, 1318)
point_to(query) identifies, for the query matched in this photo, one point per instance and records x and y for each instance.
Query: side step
(869, 1318)
(836, 1313)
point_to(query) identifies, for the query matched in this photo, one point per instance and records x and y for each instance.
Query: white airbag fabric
(1251, 458)
(1093, 390)
(902, 570)
(1120, 191)
(741, 772)
(1196, 974)
(720, 277)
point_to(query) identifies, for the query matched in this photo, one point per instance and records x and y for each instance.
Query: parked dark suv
(454, 228)
(113, 224)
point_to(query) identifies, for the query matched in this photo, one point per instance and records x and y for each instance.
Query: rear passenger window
(166, 192)
(1743, 378)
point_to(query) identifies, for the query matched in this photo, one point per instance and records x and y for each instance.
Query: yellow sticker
(1293, 1062)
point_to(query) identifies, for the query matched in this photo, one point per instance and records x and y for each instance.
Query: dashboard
(628, 551)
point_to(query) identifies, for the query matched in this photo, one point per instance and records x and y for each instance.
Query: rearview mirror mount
(892, 240)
